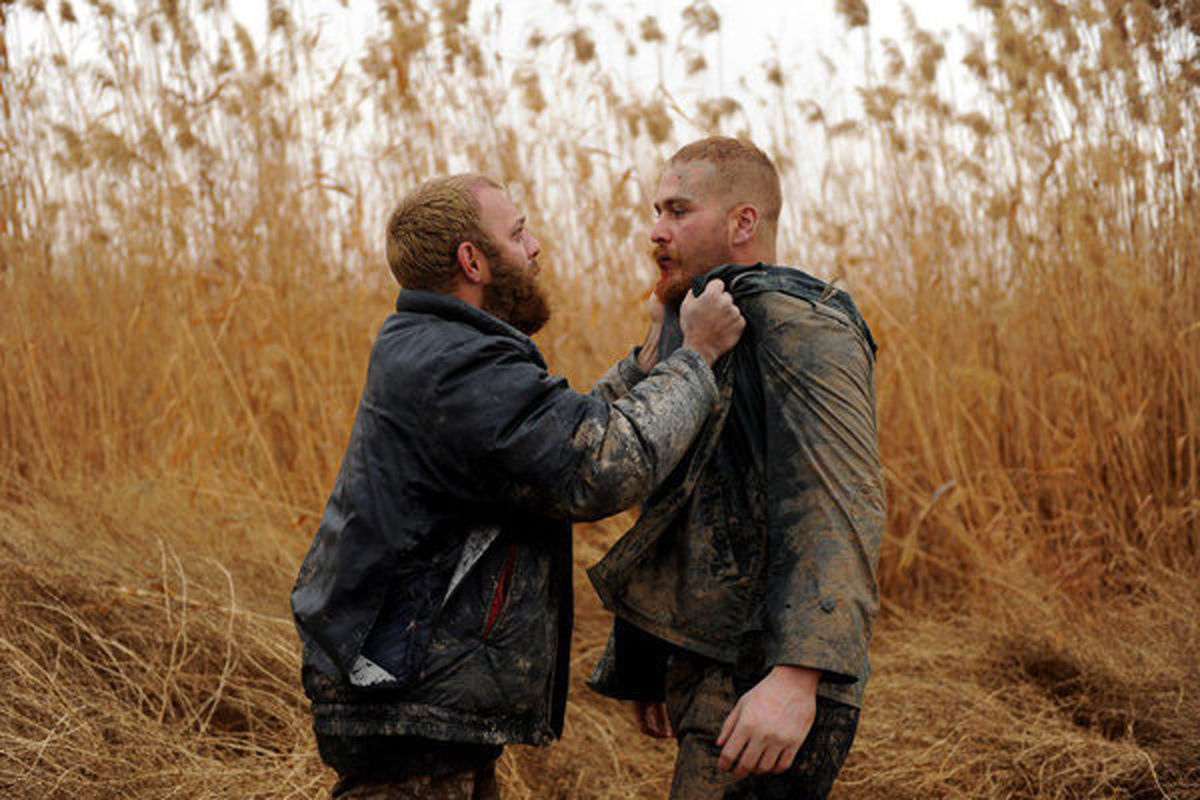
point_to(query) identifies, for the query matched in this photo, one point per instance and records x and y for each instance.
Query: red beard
(672, 285)
(671, 289)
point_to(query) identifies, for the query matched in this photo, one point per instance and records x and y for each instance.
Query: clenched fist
(711, 323)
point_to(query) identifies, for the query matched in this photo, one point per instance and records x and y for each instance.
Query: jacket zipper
(501, 592)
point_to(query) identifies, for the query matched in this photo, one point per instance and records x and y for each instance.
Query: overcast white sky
(752, 32)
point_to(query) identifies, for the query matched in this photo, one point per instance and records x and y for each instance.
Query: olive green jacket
(762, 547)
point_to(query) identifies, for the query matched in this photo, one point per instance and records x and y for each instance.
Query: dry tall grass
(190, 281)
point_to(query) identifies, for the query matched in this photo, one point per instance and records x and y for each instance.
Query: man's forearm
(629, 371)
(628, 451)
(647, 352)
(616, 382)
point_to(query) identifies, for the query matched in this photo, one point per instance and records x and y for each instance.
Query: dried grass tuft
(121, 680)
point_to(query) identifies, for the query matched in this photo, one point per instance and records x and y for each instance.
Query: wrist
(803, 679)
(709, 355)
(647, 354)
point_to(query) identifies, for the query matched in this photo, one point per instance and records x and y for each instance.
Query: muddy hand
(769, 723)
(651, 719)
(711, 322)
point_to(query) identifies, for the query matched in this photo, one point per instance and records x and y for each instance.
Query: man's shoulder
(747, 283)
(428, 328)
(426, 337)
(782, 308)
(408, 341)
(416, 356)
(804, 332)
(785, 302)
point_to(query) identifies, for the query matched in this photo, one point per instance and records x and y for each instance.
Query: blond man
(745, 594)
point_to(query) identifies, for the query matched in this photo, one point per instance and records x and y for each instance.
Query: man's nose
(658, 234)
(532, 246)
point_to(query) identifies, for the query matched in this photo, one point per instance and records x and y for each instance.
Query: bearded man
(435, 602)
(745, 594)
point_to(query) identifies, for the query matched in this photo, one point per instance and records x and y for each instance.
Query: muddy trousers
(473, 784)
(700, 695)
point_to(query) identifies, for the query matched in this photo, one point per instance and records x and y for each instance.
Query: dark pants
(477, 784)
(700, 695)
(410, 768)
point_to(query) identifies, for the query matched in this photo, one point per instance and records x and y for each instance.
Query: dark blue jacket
(436, 597)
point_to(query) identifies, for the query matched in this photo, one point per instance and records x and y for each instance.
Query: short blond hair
(427, 226)
(744, 173)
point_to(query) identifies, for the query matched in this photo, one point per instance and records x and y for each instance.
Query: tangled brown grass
(190, 281)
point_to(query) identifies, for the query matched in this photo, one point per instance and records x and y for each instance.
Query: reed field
(191, 275)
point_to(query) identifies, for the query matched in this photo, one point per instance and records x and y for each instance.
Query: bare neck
(469, 293)
(753, 253)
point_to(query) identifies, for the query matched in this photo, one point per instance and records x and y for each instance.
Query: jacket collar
(449, 307)
(727, 274)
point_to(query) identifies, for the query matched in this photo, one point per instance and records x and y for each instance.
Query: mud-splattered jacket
(762, 548)
(435, 600)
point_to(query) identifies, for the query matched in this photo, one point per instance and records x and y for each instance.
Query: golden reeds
(190, 282)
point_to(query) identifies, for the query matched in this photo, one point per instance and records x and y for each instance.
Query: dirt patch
(1129, 677)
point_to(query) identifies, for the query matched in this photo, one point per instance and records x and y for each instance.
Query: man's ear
(743, 224)
(472, 263)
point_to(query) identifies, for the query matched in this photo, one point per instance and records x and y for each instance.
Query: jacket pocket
(500, 593)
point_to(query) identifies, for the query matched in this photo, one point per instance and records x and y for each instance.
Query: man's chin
(528, 315)
(670, 291)
(529, 325)
(515, 297)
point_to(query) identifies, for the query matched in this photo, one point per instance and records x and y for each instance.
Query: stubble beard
(515, 296)
(672, 288)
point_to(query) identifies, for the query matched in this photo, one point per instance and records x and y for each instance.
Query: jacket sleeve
(825, 501)
(619, 379)
(633, 665)
(519, 436)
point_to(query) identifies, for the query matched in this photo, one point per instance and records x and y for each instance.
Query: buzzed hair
(427, 226)
(745, 174)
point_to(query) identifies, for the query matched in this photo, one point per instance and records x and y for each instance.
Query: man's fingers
(732, 752)
(711, 323)
(711, 293)
(651, 719)
(735, 739)
(662, 723)
(786, 758)
(768, 760)
(730, 724)
(750, 756)
(640, 711)
(655, 722)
